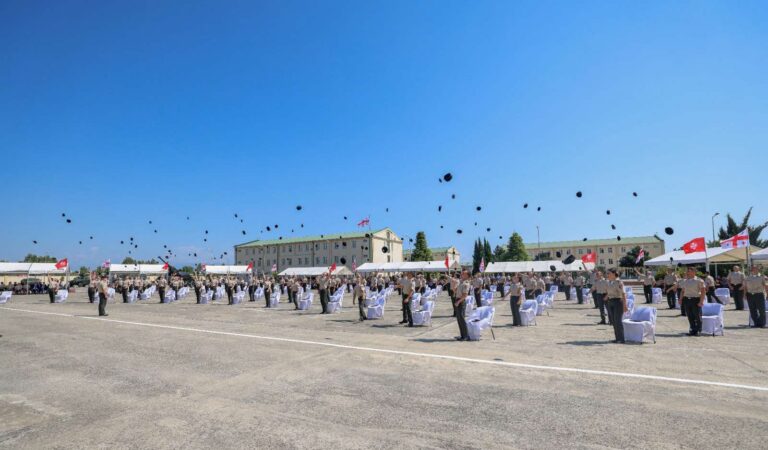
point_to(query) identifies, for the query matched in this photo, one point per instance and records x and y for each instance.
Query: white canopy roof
(537, 266)
(143, 269)
(713, 254)
(226, 270)
(407, 266)
(761, 255)
(314, 271)
(30, 268)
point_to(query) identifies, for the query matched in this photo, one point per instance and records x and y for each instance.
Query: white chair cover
(5, 296)
(640, 325)
(656, 295)
(424, 315)
(724, 295)
(306, 301)
(61, 296)
(528, 312)
(712, 319)
(274, 299)
(132, 295)
(481, 319)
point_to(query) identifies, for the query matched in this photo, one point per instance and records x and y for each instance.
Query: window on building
(282, 262)
(602, 250)
(589, 251)
(306, 247)
(610, 249)
(581, 252)
(568, 252)
(325, 260)
(325, 246)
(290, 261)
(623, 249)
(354, 244)
(602, 262)
(610, 261)
(336, 259)
(260, 262)
(290, 248)
(389, 258)
(317, 260)
(335, 245)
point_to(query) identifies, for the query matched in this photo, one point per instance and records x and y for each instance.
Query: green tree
(733, 228)
(83, 271)
(477, 255)
(421, 251)
(487, 253)
(499, 253)
(32, 258)
(188, 269)
(516, 249)
(129, 260)
(629, 259)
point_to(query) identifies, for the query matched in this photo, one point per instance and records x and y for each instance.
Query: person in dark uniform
(529, 283)
(694, 292)
(599, 291)
(229, 287)
(198, 288)
(322, 288)
(477, 286)
(462, 293)
(161, 284)
(359, 294)
(53, 286)
(735, 283)
(406, 283)
(103, 289)
(293, 287)
(267, 290)
(515, 300)
(649, 282)
(754, 286)
(709, 283)
(92, 289)
(578, 282)
(617, 304)
(670, 288)
(122, 284)
(453, 288)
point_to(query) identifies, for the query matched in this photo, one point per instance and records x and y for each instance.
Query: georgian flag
(333, 268)
(738, 241)
(62, 264)
(482, 264)
(106, 264)
(640, 256)
(364, 222)
(447, 263)
(274, 267)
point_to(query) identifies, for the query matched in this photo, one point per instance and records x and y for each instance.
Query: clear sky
(117, 113)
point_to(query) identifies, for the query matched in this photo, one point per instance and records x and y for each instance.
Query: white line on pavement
(416, 354)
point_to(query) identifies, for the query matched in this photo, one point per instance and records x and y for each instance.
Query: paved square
(211, 376)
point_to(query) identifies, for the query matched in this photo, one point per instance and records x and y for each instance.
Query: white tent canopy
(761, 255)
(226, 270)
(140, 269)
(537, 266)
(407, 266)
(715, 255)
(7, 268)
(313, 271)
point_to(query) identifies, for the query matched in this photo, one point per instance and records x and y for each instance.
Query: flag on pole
(274, 267)
(202, 266)
(165, 266)
(640, 256)
(738, 241)
(695, 246)
(333, 268)
(106, 264)
(589, 258)
(447, 263)
(364, 222)
(250, 267)
(354, 264)
(482, 264)
(62, 264)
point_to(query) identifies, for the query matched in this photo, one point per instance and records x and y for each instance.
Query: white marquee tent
(407, 266)
(537, 266)
(9, 268)
(713, 255)
(761, 255)
(137, 269)
(314, 271)
(226, 270)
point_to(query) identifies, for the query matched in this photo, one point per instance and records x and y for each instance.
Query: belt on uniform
(691, 298)
(614, 299)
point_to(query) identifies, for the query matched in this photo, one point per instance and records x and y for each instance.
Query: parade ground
(183, 375)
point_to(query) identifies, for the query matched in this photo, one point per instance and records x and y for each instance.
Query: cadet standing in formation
(648, 283)
(599, 292)
(407, 285)
(322, 287)
(53, 287)
(477, 285)
(670, 288)
(735, 282)
(359, 294)
(578, 282)
(515, 292)
(694, 293)
(198, 287)
(453, 291)
(461, 306)
(161, 284)
(755, 288)
(617, 304)
(103, 289)
(709, 283)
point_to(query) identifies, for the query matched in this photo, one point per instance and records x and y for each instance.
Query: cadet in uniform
(92, 289)
(709, 283)
(754, 285)
(53, 286)
(530, 286)
(103, 288)
(161, 283)
(460, 303)
(268, 291)
(568, 284)
(735, 282)
(515, 291)
(359, 294)
(294, 289)
(648, 283)
(407, 285)
(599, 291)
(578, 282)
(198, 287)
(617, 304)
(453, 291)
(693, 299)
(322, 287)
(540, 285)
(477, 285)
(670, 288)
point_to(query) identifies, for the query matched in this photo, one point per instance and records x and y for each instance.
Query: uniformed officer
(694, 292)
(617, 304)
(161, 284)
(568, 284)
(599, 291)
(462, 292)
(540, 285)
(578, 283)
(735, 282)
(359, 294)
(529, 283)
(294, 288)
(709, 283)
(268, 291)
(229, 287)
(322, 286)
(754, 285)
(515, 300)
(407, 286)
(53, 287)
(649, 282)
(103, 289)
(92, 289)
(670, 288)
(454, 292)
(198, 288)
(477, 286)
(122, 285)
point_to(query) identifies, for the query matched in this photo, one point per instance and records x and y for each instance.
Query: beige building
(438, 254)
(323, 250)
(608, 251)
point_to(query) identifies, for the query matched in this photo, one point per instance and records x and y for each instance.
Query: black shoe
(602, 322)
(458, 338)
(402, 322)
(103, 315)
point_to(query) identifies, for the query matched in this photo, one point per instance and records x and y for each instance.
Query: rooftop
(320, 237)
(596, 242)
(432, 249)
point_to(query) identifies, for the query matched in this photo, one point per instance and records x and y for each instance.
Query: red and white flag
(333, 268)
(250, 267)
(106, 264)
(738, 241)
(354, 264)
(589, 258)
(165, 266)
(274, 267)
(364, 222)
(482, 264)
(447, 263)
(202, 266)
(695, 246)
(62, 264)
(640, 256)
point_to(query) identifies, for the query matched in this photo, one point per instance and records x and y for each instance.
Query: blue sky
(118, 113)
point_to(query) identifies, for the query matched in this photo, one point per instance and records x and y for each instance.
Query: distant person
(670, 288)
(755, 289)
(462, 293)
(709, 283)
(103, 290)
(599, 291)
(617, 304)
(515, 300)
(694, 292)
(735, 283)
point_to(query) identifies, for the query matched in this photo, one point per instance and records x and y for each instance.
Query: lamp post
(713, 225)
(538, 241)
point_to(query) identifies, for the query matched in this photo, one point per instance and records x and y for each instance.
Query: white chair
(724, 295)
(493, 288)
(469, 305)
(376, 310)
(219, 293)
(238, 297)
(274, 299)
(206, 297)
(61, 296)
(415, 302)
(132, 295)
(110, 294)
(549, 298)
(170, 296)
(656, 295)
(640, 325)
(486, 298)
(5, 296)
(541, 305)
(306, 301)
(334, 304)
(630, 307)
(712, 319)
(573, 294)
(147, 294)
(554, 289)
(259, 293)
(481, 319)
(528, 312)
(424, 315)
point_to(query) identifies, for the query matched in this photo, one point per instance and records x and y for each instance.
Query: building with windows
(438, 254)
(609, 251)
(343, 249)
